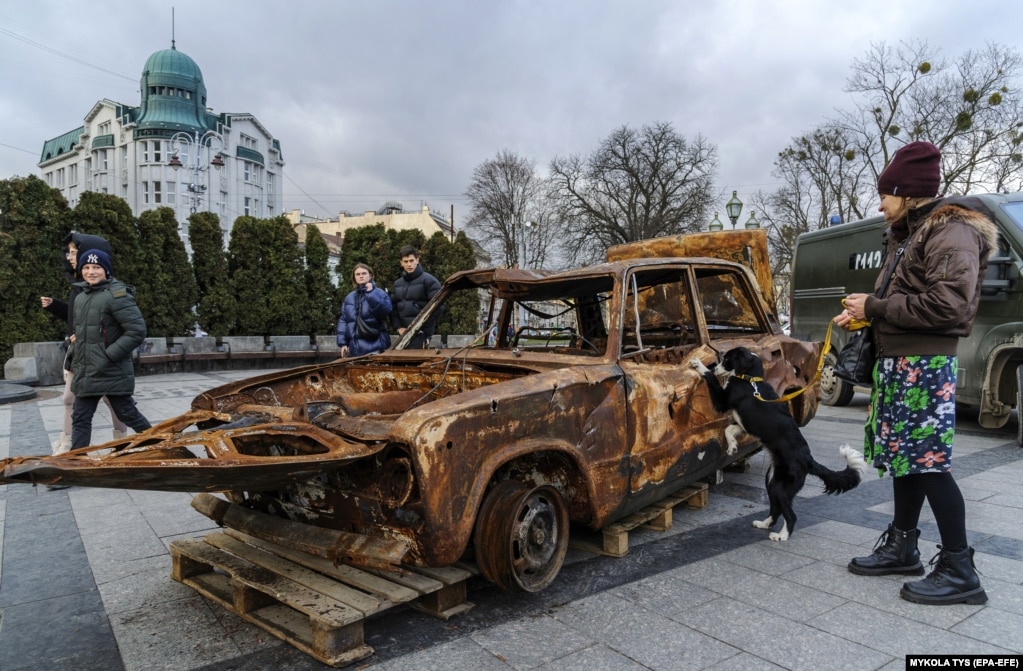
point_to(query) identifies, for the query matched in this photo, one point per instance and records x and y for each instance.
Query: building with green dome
(171, 150)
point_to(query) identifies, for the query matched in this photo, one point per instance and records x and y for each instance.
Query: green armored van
(830, 263)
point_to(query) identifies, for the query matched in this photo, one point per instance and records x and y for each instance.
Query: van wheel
(834, 390)
(1019, 405)
(521, 536)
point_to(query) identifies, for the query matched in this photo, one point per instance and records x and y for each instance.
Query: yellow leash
(791, 395)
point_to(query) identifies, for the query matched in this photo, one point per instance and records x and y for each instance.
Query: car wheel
(1019, 406)
(521, 536)
(834, 390)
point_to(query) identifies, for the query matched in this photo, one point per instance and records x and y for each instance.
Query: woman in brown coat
(940, 248)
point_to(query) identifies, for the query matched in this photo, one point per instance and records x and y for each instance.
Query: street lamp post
(193, 159)
(522, 264)
(525, 234)
(733, 207)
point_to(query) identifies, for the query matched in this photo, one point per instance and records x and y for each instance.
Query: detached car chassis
(579, 407)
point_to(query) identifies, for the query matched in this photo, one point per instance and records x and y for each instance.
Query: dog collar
(753, 379)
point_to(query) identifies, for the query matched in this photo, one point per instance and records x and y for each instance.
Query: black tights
(946, 501)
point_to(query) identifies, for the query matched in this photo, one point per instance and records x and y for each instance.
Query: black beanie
(914, 172)
(97, 257)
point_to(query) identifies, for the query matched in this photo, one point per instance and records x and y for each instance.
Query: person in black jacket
(73, 244)
(411, 292)
(108, 326)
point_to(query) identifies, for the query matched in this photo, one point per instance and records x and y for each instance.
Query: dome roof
(172, 64)
(173, 93)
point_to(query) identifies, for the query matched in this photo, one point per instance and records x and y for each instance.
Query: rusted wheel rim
(522, 536)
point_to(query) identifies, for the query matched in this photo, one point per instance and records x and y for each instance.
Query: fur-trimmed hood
(936, 277)
(964, 209)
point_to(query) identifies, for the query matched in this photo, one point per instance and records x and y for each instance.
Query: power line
(390, 195)
(11, 146)
(303, 192)
(55, 52)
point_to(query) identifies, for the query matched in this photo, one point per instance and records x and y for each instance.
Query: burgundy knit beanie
(914, 172)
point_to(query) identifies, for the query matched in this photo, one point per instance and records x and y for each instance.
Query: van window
(1015, 212)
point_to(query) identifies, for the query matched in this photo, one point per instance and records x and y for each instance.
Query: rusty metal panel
(748, 247)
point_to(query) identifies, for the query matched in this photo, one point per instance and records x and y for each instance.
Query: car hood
(272, 429)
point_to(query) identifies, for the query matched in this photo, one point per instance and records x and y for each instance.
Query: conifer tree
(110, 217)
(248, 268)
(443, 258)
(166, 292)
(323, 309)
(286, 298)
(216, 306)
(34, 219)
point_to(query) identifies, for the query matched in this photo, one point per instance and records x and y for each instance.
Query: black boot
(894, 552)
(953, 580)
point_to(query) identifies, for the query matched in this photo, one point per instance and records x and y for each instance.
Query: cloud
(376, 100)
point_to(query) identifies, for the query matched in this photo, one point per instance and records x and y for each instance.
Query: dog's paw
(700, 368)
(763, 524)
(782, 535)
(732, 433)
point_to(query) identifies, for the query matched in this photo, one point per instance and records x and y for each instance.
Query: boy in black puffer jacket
(412, 291)
(108, 326)
(74, 242)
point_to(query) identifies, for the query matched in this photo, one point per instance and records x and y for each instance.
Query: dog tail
(836, 482)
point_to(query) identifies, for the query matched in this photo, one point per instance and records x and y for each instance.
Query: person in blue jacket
(362, 327)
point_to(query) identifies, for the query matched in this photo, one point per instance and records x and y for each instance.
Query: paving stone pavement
(85, 584)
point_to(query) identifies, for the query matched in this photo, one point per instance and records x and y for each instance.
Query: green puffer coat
(108, 327)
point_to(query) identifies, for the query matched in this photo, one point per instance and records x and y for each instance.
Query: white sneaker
(61, 445)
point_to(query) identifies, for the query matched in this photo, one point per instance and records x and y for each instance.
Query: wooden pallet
(307, 601)
(658, 516)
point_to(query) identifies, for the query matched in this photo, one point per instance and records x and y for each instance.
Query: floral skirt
(912, 416)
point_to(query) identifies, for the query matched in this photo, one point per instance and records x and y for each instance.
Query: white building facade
(170, 151)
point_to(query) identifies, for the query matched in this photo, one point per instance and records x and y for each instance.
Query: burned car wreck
(579, 407)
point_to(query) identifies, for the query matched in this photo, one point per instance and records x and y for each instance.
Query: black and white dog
(747, 396)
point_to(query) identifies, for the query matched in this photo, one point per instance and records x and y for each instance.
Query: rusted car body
(580, 406)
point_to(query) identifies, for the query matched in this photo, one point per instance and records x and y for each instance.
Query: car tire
(834, 390)
(521, 536)
(1019, 405)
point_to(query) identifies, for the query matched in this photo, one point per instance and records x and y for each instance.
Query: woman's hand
(344, 351)
(855, 310)
(45, 301)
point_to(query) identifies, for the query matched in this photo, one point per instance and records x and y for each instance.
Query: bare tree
(510, 213)
(637, 184)
(970, 110)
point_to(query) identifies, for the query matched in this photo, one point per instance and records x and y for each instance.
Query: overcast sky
(377, 100)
